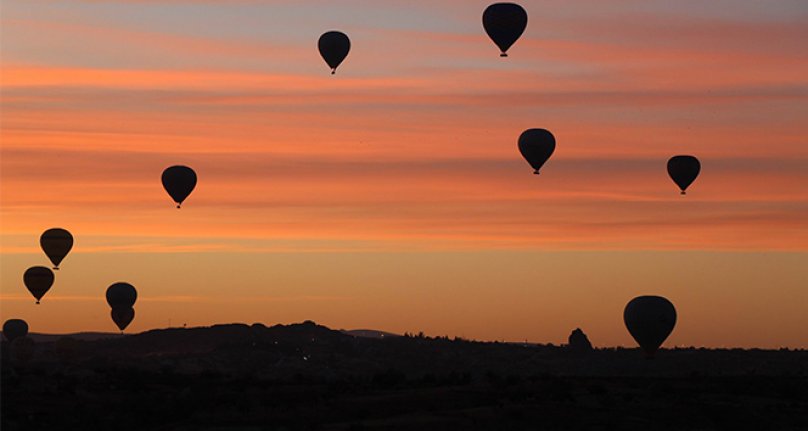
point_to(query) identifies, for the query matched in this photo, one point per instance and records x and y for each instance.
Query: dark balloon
(38, 280)
(536, 146)
(179, 182)
(14, 328)
(649, 319)
(122, 316)
(683, 170)
(56, 243)
(334, 47)
(121, 295)
(504, 23)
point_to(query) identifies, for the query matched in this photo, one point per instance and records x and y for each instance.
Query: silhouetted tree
(579, 342)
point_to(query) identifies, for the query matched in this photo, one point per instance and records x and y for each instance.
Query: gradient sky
(392, 195)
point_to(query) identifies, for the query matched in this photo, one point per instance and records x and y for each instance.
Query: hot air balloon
(179, 182)
(536, 146)
(504, 23)
(122, 316)
(649, 319)
(334, 47)
(683, 170)
(56, 243)
(121, 295)
(14, 328)
(38, 280)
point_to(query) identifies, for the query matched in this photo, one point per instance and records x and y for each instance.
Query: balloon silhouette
(536, 146)
(504, 23)
(334, 47)
(683, 170)
(121, 295)
(179, 182)
(38, 280)
(122, 316)
(649, 319)
(14, 328)
(56, 243)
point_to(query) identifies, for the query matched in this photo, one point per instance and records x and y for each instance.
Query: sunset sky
(392, 195)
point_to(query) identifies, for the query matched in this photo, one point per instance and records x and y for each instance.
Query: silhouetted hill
(83, 336)
(319, 351)
(307, 376)
(368, 333)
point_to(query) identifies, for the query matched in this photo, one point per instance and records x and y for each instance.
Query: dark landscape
(309, 377)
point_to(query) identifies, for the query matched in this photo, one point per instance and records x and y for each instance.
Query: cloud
(416, 149)
(321, 203)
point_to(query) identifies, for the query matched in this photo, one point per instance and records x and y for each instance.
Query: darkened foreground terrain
(308, 377)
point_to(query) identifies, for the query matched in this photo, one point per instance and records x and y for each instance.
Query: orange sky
(392, 195)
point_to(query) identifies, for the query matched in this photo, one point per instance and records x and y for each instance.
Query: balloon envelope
(122, 316)
(38, 280)
(121, 295)
(334, 47)
(56, 243)
(683, 170)
(649, 319)
(179, 182)
(14, 328)
(536, 146)
(504, 23)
